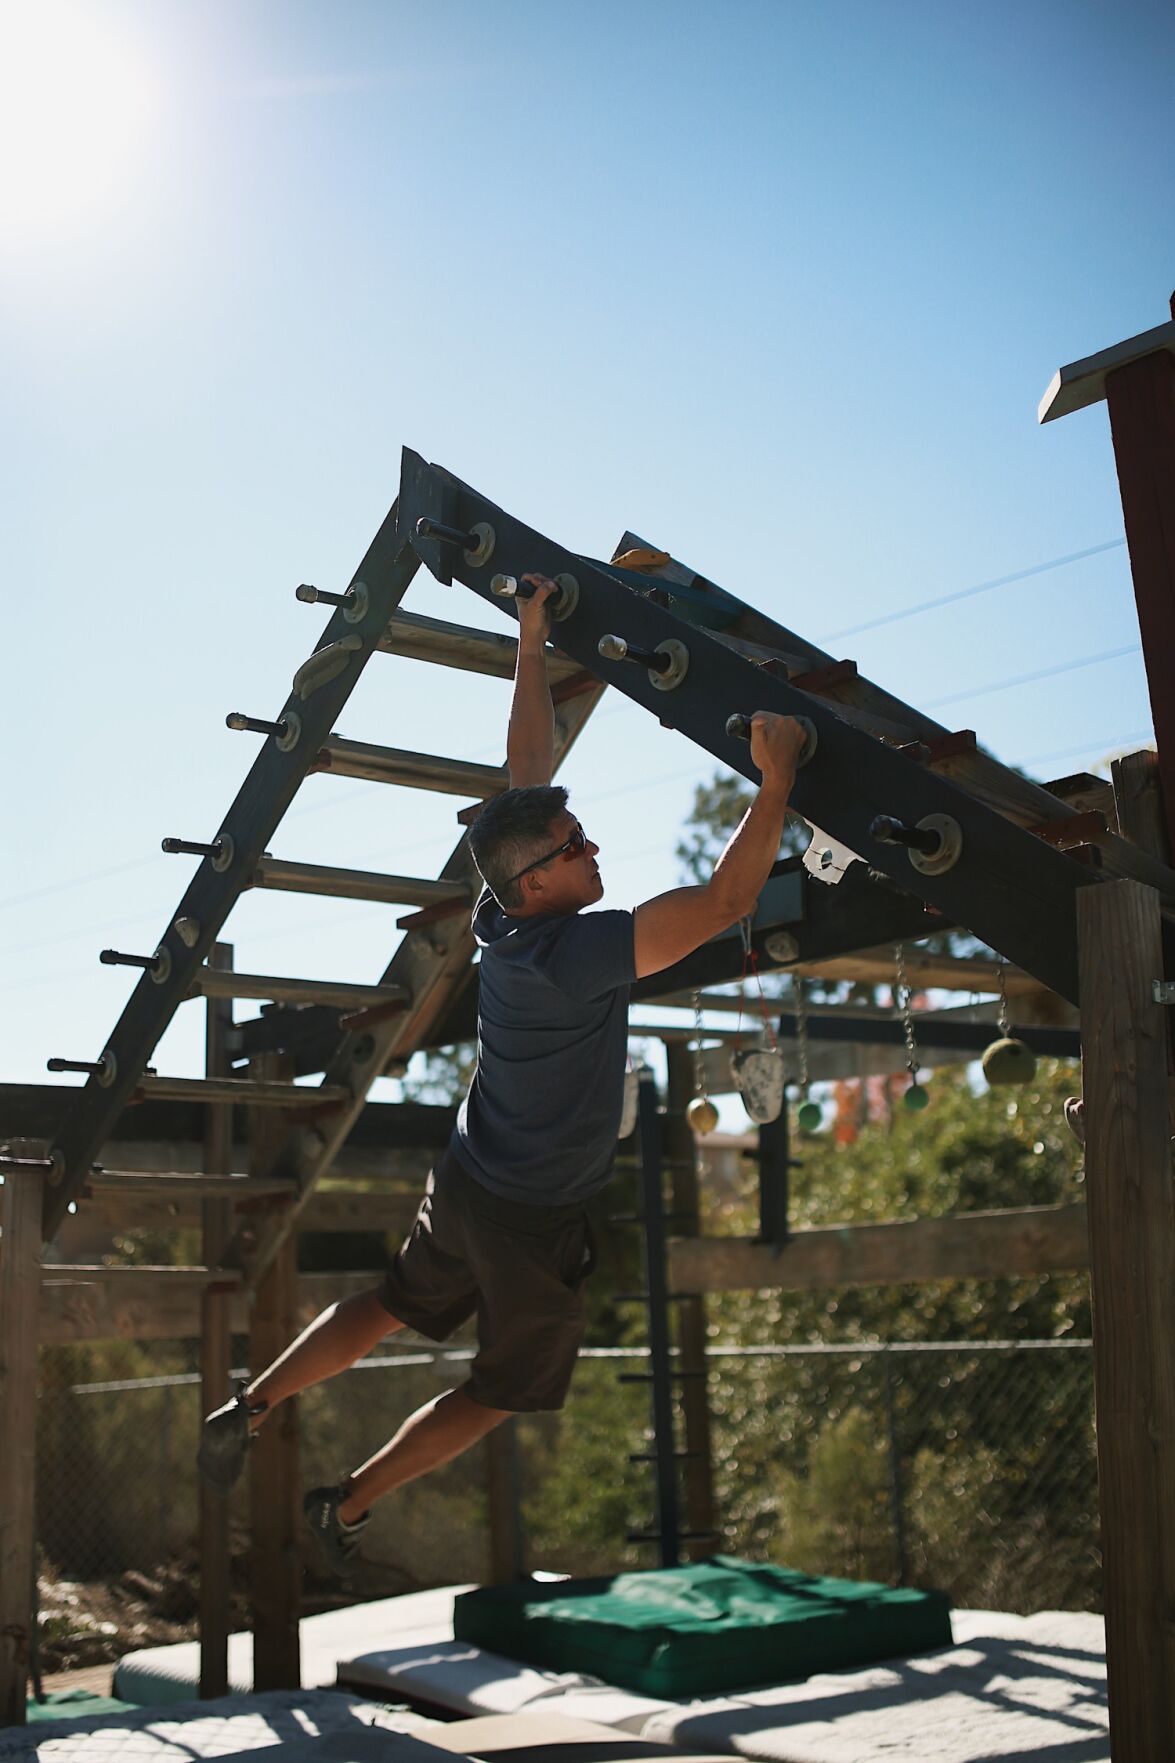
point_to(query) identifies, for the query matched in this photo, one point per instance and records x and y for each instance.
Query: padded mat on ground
(547, 1738)
(224, 1728)
(716, 1625)
(1012, 1688)
(172, 1674)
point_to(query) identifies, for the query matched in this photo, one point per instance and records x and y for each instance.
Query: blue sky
(779, 286)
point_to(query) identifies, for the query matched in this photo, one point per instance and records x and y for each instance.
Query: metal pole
(649, 1132)
(896, 1498)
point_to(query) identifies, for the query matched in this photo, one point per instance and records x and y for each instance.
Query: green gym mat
(72, 1705)
(716, 1625)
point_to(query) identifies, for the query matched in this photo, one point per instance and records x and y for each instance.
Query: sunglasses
(569, 850)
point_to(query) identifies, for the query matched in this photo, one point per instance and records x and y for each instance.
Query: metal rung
(178, 1185)
(215, 982)
(650, 1377)
(457, 645)
(352, 884)
(239, 1089)
(414, 771)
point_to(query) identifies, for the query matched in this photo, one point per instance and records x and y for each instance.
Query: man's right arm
(673, 925)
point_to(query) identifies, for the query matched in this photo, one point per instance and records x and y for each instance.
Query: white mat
(1017, 1687)
(465, 1679)
(161, 1675)
(1011, 1687)
(223, 1728)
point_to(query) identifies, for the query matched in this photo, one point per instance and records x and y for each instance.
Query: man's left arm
(530, 739)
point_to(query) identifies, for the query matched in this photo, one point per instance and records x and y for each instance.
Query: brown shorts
(520, 1268)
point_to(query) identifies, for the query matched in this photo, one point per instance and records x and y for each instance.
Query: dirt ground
(85, 1624)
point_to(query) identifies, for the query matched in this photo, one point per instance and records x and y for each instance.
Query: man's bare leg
(331, 1343)
(435, 1434)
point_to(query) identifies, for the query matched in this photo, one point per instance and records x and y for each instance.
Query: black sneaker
(338, 1542)
(225, 1438)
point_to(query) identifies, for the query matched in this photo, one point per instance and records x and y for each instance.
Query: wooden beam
(154, 1305)
(681, 1155)
(1138, 801)
(1141, 403)
(1132, 1274)
(20, 1272)
(275, 1560)
(971, 1245)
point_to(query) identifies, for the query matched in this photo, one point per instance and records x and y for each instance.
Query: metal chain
(801, 1010)
(699, 1061)
(902, 1001)
(1005, 1019)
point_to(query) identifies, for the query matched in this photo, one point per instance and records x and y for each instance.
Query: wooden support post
(275, 1561)
(1131, 1206)
(1141, 402)
(1138, 803)
(507, 1551)
(215, 1347)
(681, 1155)
(20, 1281)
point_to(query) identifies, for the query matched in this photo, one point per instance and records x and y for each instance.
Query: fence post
(20, 1296)
(275, 1562)
(505, 1504)
(1125, 1073)
(215, 1346)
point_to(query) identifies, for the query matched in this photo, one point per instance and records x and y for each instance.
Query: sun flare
(76, 101)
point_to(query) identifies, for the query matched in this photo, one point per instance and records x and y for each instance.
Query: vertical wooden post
(1141, 401)
(1131, 1211)
(1138, 803)
(505, 1514)
(681, 1155)
(275, 1561)
(215, 1347)
(20, 1297)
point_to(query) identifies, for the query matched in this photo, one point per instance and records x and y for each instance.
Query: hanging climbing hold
(916, 1098)
(1008, 1061)
(809, 1116)
(758, 1076)
(702, 1115)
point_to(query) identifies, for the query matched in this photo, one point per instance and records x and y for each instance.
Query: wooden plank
(237, 1089)
(1141, 402)
(20, 1273)
(1138, 802)
(1132, 1275)
(216, 1215)
(974, 1245)
(157, 1307)
(1085, 382)
(275, 1563)
(169, 1205)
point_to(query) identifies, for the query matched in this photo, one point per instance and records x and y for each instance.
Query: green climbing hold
(916, 1098)
(809, 1115)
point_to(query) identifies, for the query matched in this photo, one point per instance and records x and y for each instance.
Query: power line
(1104, 745)
(1001, 581)
(1024, 679)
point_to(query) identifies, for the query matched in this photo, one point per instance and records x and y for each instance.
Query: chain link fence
(967, 1466)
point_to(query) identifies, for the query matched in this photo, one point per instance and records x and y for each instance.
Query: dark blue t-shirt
(540, 1121)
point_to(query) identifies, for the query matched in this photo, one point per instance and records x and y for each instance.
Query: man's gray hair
(512, 830)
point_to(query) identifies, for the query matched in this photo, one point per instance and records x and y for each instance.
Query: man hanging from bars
(502, 1232)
